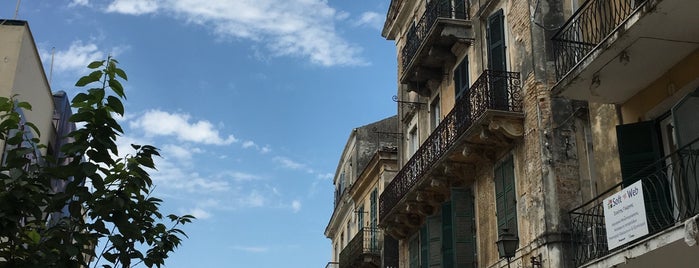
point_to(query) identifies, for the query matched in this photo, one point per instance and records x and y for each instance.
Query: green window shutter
(434, 225)
(497, 61)
(373, 219)
(447, 236)
(464, 227)
(414, 248)
(461, 82)
(510, 196)
(496, 41)
(639, 149)
(506, 202)
(424, 246)
(360, 218)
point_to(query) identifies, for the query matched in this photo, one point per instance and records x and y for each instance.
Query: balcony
(610, 50)
(672, 185)
(362, 251)
(429, 43)
(484, 120)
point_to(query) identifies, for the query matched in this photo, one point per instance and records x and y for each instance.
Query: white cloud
(248, 144)
(241, 176)
(325, 176)
(133, 7)
(179, 152)
(76, 58)
(199, 213)
(266, 149)
(288, 163)
(251, 249)
(253, 199)
(299, 28)
(79, 3)
(172, 175)
(159, 123)
(370, 19)
(295, 206)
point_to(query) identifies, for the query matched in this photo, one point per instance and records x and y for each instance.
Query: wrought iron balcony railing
(671, 191)
(365, 242)
(494, 90)
(587, 28)
(435, 9)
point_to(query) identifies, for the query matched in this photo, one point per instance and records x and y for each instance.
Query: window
(461, 82)
(373, 218)
(414, 251)
(505, 199)
(497, 60)
(496, 41)
(436, 113)
(413, 142)
(459, 230)
(360, 218)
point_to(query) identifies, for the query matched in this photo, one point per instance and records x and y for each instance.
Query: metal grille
(494, 90)
(673, 187)
(418, 33)
(588, 27)
(365, 242)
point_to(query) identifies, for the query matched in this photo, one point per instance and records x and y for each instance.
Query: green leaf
(34, 236)
(33, 127)
(24, 105)
(92, 77)
(117, 87)
(116, 105)
(81, 97)
(95, 64)
(120, 73)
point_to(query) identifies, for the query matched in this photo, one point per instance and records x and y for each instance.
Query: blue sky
(250, 101)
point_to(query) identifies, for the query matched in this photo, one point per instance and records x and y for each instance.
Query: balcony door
(686, 131)
(497, 61)
(373, 221)
(640, 150)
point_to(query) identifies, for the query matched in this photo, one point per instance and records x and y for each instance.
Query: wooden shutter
(414, 248)
(424, 246)
(506, 203)
(639, 147)
(496, 41)
(461, 78)
(639, 151)
(435, 244)
(497, 60)
(447, 236)
(464, 227)
(373, 219)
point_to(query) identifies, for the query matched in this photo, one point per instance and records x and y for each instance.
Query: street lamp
(507, 245)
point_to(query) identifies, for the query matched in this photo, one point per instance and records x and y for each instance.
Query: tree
(112, 219)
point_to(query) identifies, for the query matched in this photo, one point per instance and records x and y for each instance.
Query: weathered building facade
(368, 162)
(526, 124)
(637, 65)
(478, 163)
(519, 118)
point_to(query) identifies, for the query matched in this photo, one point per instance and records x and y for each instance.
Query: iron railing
(418, 32)
(671, 194)
(366, 241)
(332, 265)
(494, 90)
(587, 28)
